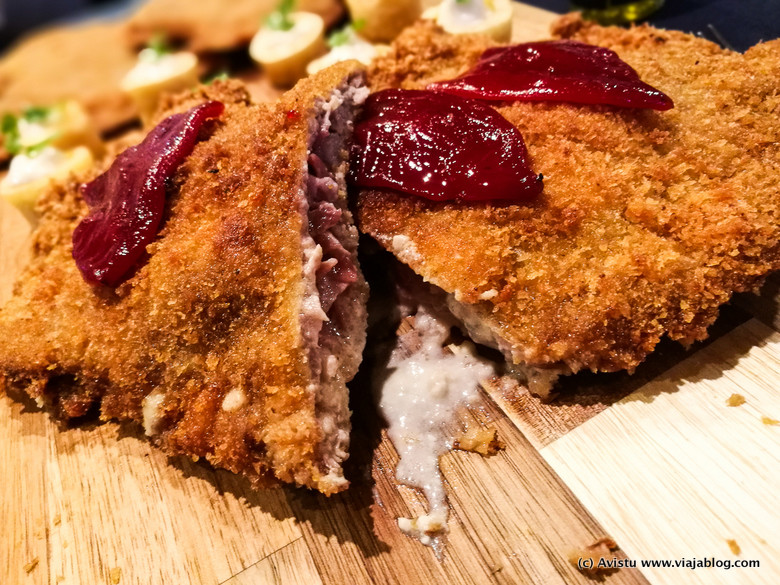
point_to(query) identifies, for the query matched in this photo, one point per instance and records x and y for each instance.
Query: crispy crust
(216, 307)
(84, 63)
(213, 25)
(648, 221)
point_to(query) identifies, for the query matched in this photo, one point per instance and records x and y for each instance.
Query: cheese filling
(421, 399)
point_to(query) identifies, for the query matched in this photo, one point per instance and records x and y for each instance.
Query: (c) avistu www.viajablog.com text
(591, 564)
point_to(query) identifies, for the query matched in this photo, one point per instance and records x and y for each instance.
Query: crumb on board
(593, 552)
(769, 421)
(31, 565)
(115, 575)
(733, 546)
(479, 440)
(735, 400)
(57, 520)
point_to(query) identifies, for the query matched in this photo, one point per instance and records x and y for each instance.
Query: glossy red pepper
(440, 147)
(127, 201)
(560, 71)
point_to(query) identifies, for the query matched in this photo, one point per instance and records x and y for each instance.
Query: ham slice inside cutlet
(335, 292)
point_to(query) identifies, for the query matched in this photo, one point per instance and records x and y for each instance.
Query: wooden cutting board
(657, 461)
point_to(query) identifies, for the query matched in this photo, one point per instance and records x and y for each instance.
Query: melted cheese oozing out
(153, 68)
(420, 399)
(26, 169)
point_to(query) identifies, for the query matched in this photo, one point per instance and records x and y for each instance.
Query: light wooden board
(672, 471)
(668, 471)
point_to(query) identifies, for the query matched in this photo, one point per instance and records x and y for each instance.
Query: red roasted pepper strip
(440, 147)
(127, 201)
(559, 71)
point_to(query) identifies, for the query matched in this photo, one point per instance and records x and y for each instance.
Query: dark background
(741, 23)
(19, 16)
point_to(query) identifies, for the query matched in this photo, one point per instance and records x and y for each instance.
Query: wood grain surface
(656, 460)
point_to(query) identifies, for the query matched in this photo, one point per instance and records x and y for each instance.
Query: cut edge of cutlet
(64, 371)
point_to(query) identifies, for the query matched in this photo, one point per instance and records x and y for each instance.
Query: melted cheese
(420, 400)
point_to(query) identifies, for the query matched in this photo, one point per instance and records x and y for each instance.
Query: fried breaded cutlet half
(85, 63)
(235, 340)
(213, 25)
(648, 222)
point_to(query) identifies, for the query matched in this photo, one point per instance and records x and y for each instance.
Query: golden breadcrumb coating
(648, 221)
(213, 25)
(216, 308)
(85, 63)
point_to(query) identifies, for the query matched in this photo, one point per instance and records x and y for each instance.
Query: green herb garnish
(280, 19)
(10, 129)
(36, 114)
(12, 139)
(344, 35)
(218, 76)
(159, 45)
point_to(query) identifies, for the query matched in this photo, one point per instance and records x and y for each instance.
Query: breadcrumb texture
(648, 221)
(84, 63)
(215, 308)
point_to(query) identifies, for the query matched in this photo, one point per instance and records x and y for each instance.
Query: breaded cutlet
(648, 221)
(85, 63)
(235, 339)
(213, 25)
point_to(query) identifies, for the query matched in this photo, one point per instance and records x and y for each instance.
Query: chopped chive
(36, 114)
(12, 139)
(342, 36)
(280, 19)
(10, 130)
(218, 76)
(159, 45)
